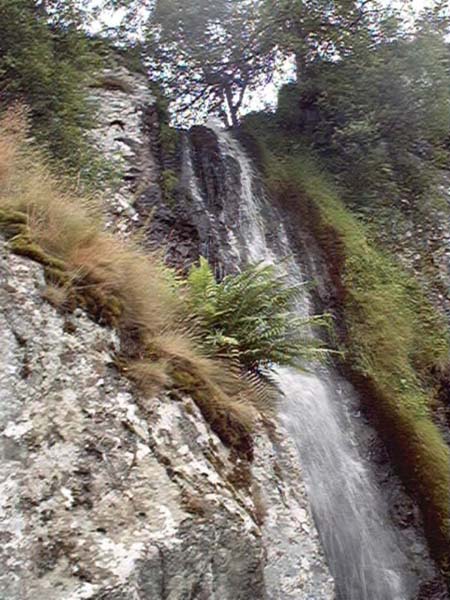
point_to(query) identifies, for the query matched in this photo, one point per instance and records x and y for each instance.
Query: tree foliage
(211, 52)
(380, 115)
(311, 29)
(45, 61)
(372, 94)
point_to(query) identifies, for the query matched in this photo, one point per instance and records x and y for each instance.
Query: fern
(250, 317)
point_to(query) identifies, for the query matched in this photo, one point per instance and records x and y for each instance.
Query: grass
(393, 341)
(117, 283)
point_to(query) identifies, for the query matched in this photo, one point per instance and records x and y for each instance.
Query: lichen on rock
(109, 494)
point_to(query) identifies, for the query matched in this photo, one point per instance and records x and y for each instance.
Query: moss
(103, 308)
(24, 246)
(241, 476)
(57, 277)
(393, 340)
(168, 138)
(13, 217)
(12, 222)
(169, 182)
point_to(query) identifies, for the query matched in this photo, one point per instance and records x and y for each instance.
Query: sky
(419, 4)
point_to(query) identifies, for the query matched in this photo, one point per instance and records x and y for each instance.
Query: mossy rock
(102, 307)
(14, 217)
(24, 246)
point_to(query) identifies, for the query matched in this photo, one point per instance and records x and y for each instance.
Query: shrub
(45, 62)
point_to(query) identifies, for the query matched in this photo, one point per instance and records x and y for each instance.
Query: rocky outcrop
(148, 190)
(170, 185)
(108, 494)
(121, 100)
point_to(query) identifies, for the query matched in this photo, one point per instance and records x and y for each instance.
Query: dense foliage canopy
(372, 90)
(45, 60)
(380, 115)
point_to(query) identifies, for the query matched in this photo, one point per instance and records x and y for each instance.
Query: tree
(382, 110)
(207, 54)
(212, 52)
(309, 29)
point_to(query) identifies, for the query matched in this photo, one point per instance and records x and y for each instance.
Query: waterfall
(366, 552)
(204, 219)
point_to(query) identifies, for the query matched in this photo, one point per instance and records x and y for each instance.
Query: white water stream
(361, 544)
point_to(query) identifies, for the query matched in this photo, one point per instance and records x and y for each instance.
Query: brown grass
(134, 290)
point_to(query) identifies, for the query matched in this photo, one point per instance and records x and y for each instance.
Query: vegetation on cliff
(249, 316)
(192, 335)
(379, 119)
(46, 60)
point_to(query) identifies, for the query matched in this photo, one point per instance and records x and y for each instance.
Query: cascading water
(366, 553)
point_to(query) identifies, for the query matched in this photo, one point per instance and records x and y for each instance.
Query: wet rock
(433, 590)
(170, 227)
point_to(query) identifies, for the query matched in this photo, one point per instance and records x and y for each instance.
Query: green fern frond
(251, 317)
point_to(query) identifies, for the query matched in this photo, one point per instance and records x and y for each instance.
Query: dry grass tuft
(149, 376)
(56, 295)
(50, 221)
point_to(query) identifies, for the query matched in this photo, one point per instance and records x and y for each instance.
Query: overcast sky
(418, 4)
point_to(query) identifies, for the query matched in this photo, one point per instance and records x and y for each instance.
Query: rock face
(170, 187)
(121, 101)
(149, 191)
(106, 494)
